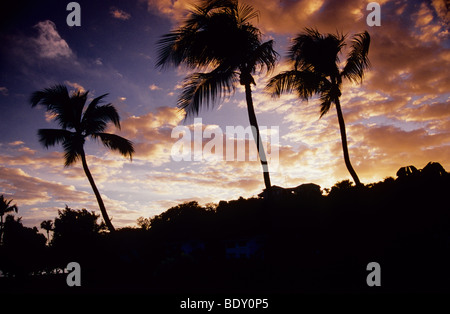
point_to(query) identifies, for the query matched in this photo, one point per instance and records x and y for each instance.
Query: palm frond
(329, 94)
(193, 44)
(6, 207)
(96, 118)
(51, 137)
(73, 147)
(217, 31)
(176, 47)
(264, 56)
(116, 142)
(66, 109)
(71, 142)
(324, 108)
(70, 157)
(210, 6)
(305, 83)
(71, 116)
(358, 60)
(201, 88)
(53, 96)
(246, 13)
(317, 52)
(285, 82)
(92, 106)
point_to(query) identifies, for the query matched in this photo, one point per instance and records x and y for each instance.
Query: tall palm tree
(315, 62)
(47, 225)
(219, 39)
(5, 207)
(78, 124)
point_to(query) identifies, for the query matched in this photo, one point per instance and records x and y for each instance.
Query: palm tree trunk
(344, 143)
(1, 229)
(257, 136)
(96, 192)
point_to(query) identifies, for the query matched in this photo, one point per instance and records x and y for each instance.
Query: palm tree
(218, 38)
(5, 207)
(47, 225)
(78, 124)
(315, 59)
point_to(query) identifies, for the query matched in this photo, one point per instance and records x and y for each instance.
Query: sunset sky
(399, 116)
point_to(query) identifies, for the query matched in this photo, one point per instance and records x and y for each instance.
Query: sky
(398, 116)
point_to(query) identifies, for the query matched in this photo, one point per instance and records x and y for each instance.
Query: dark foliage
(294, 244)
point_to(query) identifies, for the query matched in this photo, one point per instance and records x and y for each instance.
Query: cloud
(98, 61)
(436, 111)
(119, 14)
(78, 87)
(442, 9)
(49, 43)
(175, 10)
(393, 140)
(16, 143)
(154, 87)
(378, 151)
(283, 16)
(4, 91)
(151, 133)
(30, 190)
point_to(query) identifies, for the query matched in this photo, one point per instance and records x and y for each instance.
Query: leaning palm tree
(77, 124)
(315, 59)
(5, 207)
(47, 225)
(219, 39)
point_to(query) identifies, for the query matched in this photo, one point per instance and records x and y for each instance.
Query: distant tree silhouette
(47, 225)
(218, 36)
(407, 171)
(143, 223)
(91, 122)
(73, 226)
(5, 207)
(315, 59)
(23, 248)
(342, 185)
(434, 169)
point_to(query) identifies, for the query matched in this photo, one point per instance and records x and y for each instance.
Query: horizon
(398, 116)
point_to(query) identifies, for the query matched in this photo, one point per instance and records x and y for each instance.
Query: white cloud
(154, 87)
(49, 42)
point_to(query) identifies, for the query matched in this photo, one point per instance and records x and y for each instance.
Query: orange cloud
(119, 14)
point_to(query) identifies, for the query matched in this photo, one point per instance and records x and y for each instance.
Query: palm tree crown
(47, 225)
(315, 58)
(77, 124)
(217, 37)
(5, 207)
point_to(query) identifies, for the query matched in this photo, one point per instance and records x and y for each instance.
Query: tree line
(304, 242)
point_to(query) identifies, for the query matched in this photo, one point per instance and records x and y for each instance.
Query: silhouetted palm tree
(69, 111)
(218, 37)
(5, 207)
(315, 59)
(47, 225)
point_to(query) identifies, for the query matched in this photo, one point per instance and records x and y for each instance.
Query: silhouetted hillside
(298, 240)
